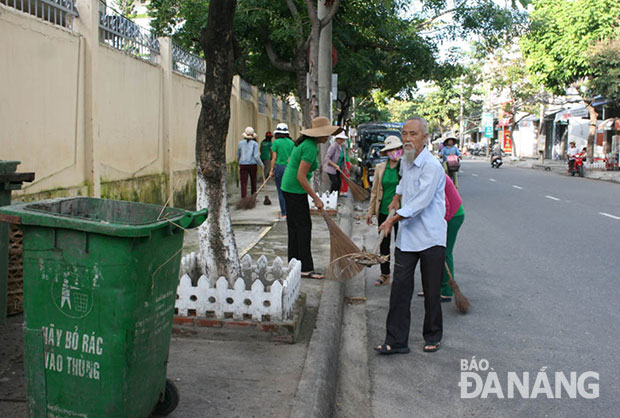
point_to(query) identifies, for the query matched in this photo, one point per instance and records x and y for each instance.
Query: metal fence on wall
(262, 103)
(58, 12)
(246, 90)
(121, 33)
(186, 63)
(285, 112)
(275, 111)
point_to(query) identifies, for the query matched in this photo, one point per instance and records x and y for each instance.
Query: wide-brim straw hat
(249, 133)
(391, 142)
(321, 127)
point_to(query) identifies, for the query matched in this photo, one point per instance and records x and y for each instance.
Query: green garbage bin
(100, 280)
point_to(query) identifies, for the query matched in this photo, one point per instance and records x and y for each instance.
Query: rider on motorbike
(450, 158)
(570, 154)
(496, 152)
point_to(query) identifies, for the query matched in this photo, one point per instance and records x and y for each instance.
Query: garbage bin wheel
(168, 401)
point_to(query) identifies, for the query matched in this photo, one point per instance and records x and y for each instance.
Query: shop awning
(576, 112)
(611, 124)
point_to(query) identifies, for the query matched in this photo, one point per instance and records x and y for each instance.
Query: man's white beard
(409, 154)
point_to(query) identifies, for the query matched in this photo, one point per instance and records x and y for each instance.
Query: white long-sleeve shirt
(423, 204)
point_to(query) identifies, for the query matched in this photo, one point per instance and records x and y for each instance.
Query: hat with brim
(249, 133)
(341, 135)
(391, 142)
(282, 128)
(450, 137)
(321, 127)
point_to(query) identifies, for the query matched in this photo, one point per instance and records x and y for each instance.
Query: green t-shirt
(307, 151)
(283, 147)
(265, 150)
(389, 183)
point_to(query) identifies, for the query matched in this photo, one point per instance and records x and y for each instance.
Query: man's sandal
(431, 347)
(312, 275)
(383, 280)
(386, 349)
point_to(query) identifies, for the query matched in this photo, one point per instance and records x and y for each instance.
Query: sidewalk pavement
(237, 374)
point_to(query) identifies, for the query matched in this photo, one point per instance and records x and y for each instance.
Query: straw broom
(341, 266)
(371, 258)
(358, 192)
(249, 202)
(461, 302)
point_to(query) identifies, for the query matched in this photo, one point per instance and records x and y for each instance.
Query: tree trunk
(218, 250)
(515, 153)
(302, 87)
(592, 131)
(343, 115)
(313, 69)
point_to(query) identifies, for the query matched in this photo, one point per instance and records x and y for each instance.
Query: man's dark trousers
(399, 315)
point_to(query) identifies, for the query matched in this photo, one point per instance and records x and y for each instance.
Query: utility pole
(325, 62)
(461, 122)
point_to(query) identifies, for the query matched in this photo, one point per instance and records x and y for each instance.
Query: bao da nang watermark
(479, 380)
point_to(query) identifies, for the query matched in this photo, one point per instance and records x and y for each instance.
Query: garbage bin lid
(102, 216)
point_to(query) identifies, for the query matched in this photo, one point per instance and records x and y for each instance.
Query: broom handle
(448, 270)
(382, 235)
(262, 185)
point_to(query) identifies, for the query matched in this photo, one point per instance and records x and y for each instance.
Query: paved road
(538, 256)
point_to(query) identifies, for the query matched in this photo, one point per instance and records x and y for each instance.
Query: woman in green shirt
(280, 153)
(383, 191)
(296, 188)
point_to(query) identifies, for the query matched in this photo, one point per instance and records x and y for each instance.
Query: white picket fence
(273, 291)
(330, 200)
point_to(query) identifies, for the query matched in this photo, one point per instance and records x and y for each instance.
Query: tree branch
(276, 61)
(332, 12)
(292, 8)
(437, 16)
(314, 18)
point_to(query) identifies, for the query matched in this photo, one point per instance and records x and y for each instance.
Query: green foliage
(605, 63)
(379, 45)
(510, 77)
(494, 25)
(370, 110)
(401, 110)
(561, 34)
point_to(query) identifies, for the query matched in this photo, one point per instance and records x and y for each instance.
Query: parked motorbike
(577, 166)
(496, 161)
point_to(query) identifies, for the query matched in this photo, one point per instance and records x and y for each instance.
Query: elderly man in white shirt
(421, 236)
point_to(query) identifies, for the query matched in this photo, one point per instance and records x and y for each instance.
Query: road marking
(517, 187)
(610, 216)
(475, 175)
(491, 179)
(551, 197)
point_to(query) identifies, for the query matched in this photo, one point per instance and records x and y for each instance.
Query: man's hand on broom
(394, 204)
(389, 222)
(369, 219)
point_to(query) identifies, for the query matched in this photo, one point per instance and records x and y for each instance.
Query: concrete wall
(90, 119)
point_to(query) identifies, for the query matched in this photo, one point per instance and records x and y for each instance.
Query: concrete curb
(316, 393)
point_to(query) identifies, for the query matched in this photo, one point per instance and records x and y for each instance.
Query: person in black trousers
(421, 237)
